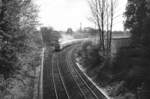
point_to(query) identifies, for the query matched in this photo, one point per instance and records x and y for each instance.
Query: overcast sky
(61, 14)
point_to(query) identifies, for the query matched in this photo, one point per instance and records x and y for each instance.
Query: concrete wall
(119, 42)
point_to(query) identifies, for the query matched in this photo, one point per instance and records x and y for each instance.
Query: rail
(40, 85)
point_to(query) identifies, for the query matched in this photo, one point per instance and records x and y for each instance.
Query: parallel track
(71, 85)
(60, 88)
(82, 83)
(85, 79)
(48, 85)
(63, 80)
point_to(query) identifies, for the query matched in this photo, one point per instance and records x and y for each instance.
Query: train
(60, 45)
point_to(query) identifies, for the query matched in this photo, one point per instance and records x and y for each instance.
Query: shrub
(90, 56)
(132, 65)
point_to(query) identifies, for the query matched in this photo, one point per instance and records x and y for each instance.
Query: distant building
(120, 39)
(90, 30)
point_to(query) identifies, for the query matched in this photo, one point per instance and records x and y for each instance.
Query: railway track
(94, 89)
(60, 88)
(71, 85)
(93, 92)
(63, 80)
(48, 85)
(86, 90)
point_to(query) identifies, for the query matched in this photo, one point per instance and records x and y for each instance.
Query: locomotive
(57, 45)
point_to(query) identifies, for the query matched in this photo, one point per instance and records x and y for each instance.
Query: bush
(132, 66)
(89, 54)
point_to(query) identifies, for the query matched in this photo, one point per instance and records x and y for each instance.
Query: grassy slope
(101, 70)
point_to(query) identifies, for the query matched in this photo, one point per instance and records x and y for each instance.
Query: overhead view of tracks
(62, 79)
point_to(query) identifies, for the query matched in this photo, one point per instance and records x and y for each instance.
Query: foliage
(136, 12)
(69, 31)
(89, 53)
(138, 21)
(8, 30)
(103, 12)
(50, 37)
(17, 23)
(20, 45)
(132, 63)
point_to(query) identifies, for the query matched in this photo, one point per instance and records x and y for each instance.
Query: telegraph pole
(80, 26)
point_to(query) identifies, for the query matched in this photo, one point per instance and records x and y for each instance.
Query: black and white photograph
(74, 49)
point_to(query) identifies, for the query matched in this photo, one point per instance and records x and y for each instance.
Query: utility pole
(80, 26)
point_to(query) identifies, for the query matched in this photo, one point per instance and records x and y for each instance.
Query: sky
(63, 14)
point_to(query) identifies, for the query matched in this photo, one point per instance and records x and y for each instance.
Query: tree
(50, 37)
(102, 16)
(135, 14)
(16, 24)
(132, 63)
(19, 45)
(69, 31)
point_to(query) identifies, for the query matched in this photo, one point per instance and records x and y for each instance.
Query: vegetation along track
(83, 79)
(62, 80)
(71, 85)
(86, 90)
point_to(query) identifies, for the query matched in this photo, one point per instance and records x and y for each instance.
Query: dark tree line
(103, 13)
(138, 22)
(17, 23)
(132, 63)
(50, 36)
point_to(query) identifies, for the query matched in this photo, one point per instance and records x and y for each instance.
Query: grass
(109, 73)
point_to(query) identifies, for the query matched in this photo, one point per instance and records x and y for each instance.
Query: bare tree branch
(103, 12)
